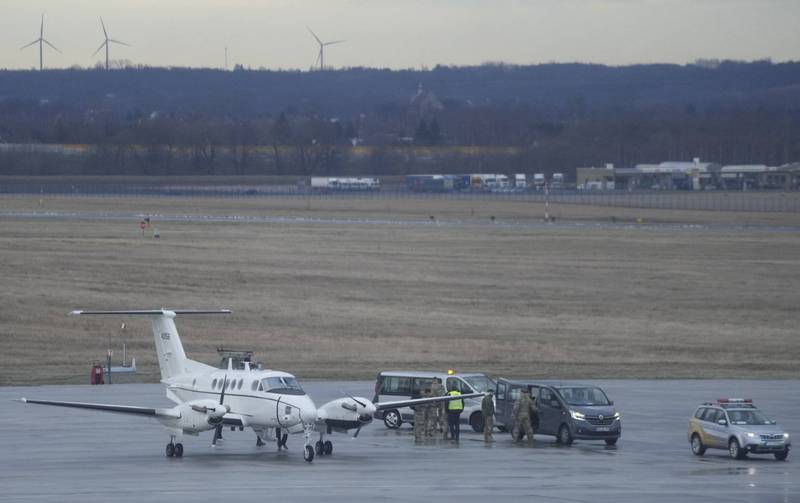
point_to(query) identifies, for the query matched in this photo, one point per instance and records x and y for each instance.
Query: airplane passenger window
(239, 386)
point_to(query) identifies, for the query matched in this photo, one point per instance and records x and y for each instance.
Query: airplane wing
(230, 419)
(233, 420)
(120, 409)
(418, 401)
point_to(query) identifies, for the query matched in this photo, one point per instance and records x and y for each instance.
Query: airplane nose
(308, 414)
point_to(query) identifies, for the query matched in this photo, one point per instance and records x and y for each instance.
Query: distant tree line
(156, 121)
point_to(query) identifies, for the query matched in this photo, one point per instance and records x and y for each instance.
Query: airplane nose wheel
(308, 453)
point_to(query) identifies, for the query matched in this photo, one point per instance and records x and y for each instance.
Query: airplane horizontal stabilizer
(152, 312)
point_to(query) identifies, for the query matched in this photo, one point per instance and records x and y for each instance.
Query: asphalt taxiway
(55, 454)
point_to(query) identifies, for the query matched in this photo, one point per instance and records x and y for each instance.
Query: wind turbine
(40, 41)
(106, 42)
(322, 45)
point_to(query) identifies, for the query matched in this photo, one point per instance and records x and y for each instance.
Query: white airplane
(270, 402)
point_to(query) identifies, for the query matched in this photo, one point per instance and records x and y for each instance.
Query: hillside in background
(556, 116)
(246, 93)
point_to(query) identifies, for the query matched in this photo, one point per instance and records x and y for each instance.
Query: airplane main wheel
(170, 450)
(308, 453)
(327, 448)
(319, 448)
(178, 450)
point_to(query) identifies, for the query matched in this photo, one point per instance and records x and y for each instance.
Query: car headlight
(617, 416)
(577, 415)
(786, 436)
(751, 435)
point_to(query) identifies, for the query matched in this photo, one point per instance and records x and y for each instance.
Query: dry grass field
(348, 299)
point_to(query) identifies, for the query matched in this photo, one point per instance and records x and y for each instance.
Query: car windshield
(282, 385)
(583, 395)
(480, 383)
(748, 417)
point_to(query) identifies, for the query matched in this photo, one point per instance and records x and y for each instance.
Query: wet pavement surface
(56, 454)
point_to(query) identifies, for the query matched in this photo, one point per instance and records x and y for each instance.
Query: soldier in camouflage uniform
(487, 409)
(438, 413)
(523, 408)
(421, 415)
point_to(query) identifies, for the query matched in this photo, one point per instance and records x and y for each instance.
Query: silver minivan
(394, 385)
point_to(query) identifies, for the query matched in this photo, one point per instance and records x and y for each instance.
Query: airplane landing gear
(259, 442)
(308, 451)
(174, 449)
(323, 447)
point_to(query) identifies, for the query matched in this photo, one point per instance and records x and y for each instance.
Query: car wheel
(392, 419)
(477, 422)
(698, 449)
(611, 441)
(564, 436)
(502, 428)
(781, 456)
(736, 450)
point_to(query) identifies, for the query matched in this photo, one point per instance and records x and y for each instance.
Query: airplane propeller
(218, 429)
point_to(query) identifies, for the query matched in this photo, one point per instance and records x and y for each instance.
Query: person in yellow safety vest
(454, 410)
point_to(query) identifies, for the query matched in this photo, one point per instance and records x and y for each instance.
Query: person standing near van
(487, 409)
(439, 408)
(454, 410)
(421, 413)
(522, 417)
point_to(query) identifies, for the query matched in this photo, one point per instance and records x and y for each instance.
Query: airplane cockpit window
(214, 384)
(254, 386)
(282, 386)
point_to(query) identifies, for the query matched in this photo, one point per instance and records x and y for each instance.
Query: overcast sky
(401, 33)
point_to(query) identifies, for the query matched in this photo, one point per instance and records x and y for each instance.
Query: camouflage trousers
(420, 423)
(488, 426)
(522, 427)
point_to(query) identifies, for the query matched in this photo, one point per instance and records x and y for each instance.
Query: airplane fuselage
(264, 399)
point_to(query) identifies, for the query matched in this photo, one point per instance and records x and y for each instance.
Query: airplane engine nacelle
(200, 415)
(348, 413)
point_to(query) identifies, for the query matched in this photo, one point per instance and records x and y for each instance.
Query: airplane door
(286, 414)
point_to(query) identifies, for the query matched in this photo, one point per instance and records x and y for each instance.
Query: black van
(565, 411)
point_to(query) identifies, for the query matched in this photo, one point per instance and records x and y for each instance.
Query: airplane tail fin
(172, 359)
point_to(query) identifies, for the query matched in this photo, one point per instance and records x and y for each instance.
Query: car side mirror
(611, 402)
(722, 422)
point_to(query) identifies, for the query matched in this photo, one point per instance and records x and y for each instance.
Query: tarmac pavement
(56, 454)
